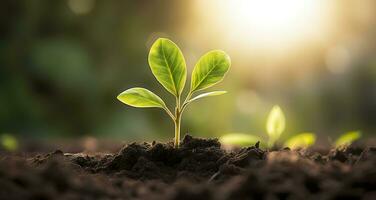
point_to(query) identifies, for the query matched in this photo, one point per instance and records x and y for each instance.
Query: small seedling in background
(303, 140)
(348, 138)
(168, 65)
(239, 139)
(9, 142)
(275, 125)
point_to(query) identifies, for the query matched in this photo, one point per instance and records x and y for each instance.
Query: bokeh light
(64, 62)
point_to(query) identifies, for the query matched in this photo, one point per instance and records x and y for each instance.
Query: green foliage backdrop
(63, 62)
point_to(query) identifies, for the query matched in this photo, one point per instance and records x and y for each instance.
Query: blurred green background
(63, 62)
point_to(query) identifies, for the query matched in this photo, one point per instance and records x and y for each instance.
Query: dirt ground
(200, 169)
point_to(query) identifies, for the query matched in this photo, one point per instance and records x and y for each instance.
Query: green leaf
(168, 65)
(9, 142)
(239, 139)
(302, 140)
(348, 138)
(209, 70)
(276, 123)
(208, 94)
(141, 98)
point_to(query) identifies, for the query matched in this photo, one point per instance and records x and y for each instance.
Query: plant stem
(177, 122)
(177, 118)
(177, 130)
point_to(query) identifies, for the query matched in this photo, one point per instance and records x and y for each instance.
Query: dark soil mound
(200, 169)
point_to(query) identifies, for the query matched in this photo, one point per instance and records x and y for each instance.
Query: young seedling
(168, 65)
(9, 142)
(302, 140)
(275, 125)
(239, 139)
(347, 138)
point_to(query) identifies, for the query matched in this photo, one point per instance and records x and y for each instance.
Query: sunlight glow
(266, 23)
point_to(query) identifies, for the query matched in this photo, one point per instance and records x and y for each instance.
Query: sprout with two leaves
(275, 126)
(168, 65)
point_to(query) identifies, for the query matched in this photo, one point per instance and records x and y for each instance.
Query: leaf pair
(275, 125)
(168, 65)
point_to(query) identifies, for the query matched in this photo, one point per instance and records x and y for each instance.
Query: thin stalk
(177, 118)
(178, 113)
(177, 122)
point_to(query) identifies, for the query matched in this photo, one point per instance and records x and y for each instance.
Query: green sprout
(239, 139)
(168, 65)
(348, 138)
(9, 142)
(275, 124)
(303, 140)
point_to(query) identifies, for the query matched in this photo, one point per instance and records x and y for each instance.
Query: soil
(199, 169)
